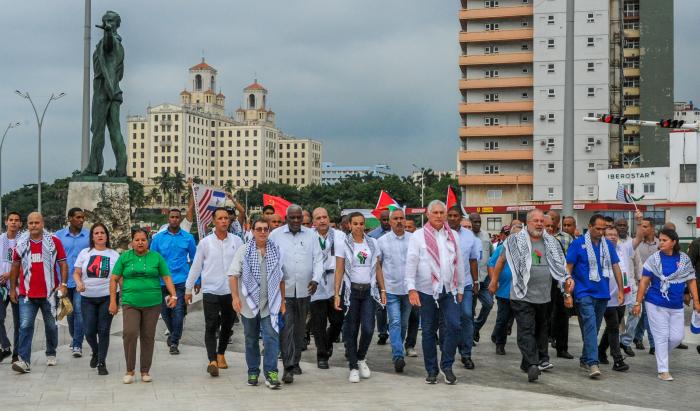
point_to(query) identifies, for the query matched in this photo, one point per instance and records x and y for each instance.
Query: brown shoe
(212, 369)
(221, 361)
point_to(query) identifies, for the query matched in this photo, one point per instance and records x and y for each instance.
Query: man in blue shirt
(74, 238)
(177, 248)
(592, 289)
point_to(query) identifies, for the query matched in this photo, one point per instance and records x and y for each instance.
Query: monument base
(106, 203)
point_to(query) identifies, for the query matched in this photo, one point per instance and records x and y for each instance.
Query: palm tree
(177, 185)
(153, 195)
(164, 183)
(229, 187)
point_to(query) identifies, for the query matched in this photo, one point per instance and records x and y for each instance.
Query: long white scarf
(48, 257)
(252, 275)
(518, 250)
(374, 291)
(605, 260)
(684, 272)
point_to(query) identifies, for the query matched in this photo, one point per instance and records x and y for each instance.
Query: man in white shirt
(393, 247)
(8, 241)
(211, 261)
(481, 288)
(302, 265)
(435, 277)
(323, 314)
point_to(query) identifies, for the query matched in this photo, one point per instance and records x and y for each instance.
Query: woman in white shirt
(358, 271)
(92, 272)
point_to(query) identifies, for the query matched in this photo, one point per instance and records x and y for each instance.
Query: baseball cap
(695, 323)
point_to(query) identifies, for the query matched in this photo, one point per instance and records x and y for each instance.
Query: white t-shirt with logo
(361, 264)
(96, 267)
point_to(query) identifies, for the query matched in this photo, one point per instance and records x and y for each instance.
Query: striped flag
(623, 195)
(207, 199)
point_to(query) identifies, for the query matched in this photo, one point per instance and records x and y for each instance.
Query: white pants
(667, 327)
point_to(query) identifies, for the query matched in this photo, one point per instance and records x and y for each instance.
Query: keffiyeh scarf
(327, 249)
(251, 279)
(48, 257)
(349, 262)
(605, 260)
(685, 271)
(429, 233)
(518, 250)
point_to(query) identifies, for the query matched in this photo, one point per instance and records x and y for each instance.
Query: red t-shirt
(37, 283)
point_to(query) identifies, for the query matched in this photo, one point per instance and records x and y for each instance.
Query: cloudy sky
(376, 81)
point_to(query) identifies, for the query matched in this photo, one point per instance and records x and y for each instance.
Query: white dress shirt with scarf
(419, 264)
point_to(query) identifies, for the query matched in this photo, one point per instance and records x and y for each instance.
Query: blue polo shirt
(73, 244)
(669, 265)
(578, 256)
(178, 251)
(505, 280)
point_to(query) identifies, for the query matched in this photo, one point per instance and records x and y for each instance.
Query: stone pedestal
(104, 202)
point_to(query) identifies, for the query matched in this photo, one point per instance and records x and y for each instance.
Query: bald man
(559, 329)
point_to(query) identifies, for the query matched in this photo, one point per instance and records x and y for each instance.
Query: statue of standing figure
(108, 64)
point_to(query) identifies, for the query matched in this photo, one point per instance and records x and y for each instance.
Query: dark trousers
(97, 322)
(560, 319)
(611, 336)
(294, 330)
(429, 315)
(323, 315)
(75, 319)
(486, 301)
(360, 316)
(382, 322)
(532, 320)
(218, 317)
(504, 316)
(174, 318)
(412, 331)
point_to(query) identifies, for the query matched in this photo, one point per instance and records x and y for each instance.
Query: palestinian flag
(385, 202)
(625, 196)
(453, 201)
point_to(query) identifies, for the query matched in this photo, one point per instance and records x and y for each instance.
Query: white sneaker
(364, 369)
(411, 352)
(51, 361)
(354, 376)
(20, 366)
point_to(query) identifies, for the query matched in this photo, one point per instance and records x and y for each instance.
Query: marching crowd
(286, 278)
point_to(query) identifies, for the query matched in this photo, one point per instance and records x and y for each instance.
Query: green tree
(177, 185)
(163, 182)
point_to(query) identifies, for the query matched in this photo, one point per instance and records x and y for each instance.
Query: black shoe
(431, 379)
(296, 370)
(652, 351)
(288, 376)
(15, 358)
(682, 346)
(628, 350)
(323, 364)
(382, 340)
(174, 350)
(533, 373)
(476, 336)
(102, 369)
(450, 378)
(399, 364)
(468, 363)
(638, 344)
(603, 359)
(697, 348)
(500, 349)
(565, 354)
(168, 341)
(4, 354)
(93, 360)
(620, 366)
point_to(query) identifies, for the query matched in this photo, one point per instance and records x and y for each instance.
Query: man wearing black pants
(412, 332)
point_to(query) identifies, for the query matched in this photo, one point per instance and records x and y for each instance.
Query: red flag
(451, 198)
(279, 203)
(385, 202)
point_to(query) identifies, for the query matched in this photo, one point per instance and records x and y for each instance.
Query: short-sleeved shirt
(361, 264)
(578, 256)
(37, 282)
(471, 248)
(73, 244)
(669, 265)
(539, 286)
(505, 280)
(95, 269)
(141, 274)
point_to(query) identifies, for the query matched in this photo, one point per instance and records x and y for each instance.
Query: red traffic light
(670, 123)
(611, 119)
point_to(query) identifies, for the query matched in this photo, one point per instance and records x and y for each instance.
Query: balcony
(631, 130)
(497, 82)
(498, 58)
(500, 155)
(496, 131)
(630, 91)
(495, 13)
(632, 34)
(496, 107)
(630, 72)
(631, 111)
(494, 35)
(630, 53)
(495, 179)
(631, 149)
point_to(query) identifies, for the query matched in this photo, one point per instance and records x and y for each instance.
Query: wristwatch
(636, 303)
(566, 295)
(64, 284)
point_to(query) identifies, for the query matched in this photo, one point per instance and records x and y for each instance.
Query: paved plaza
(180, 382)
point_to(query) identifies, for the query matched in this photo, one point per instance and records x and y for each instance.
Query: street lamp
(9, 126)
(422, 191)
(246, 197)
(39, 122)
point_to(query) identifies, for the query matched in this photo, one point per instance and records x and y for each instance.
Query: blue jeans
(429, 314)
(174, 318)
(28, 310)
(75, 320)
(590, 315)
(360, 316)
(398, 309)
(486, 301)
(251, 330)
(465, 342)
(643, 325)
(98, 322)
(504, 315)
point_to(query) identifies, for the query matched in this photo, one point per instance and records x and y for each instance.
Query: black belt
(329, 272)
(359, 287)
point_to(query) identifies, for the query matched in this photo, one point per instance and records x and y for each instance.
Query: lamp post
(39, 122)
(422, 192)
(9, 126)
(246, 196)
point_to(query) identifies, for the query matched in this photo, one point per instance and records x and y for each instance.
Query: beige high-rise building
(197, 138)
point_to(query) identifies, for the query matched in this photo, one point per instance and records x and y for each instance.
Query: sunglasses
(262, 229)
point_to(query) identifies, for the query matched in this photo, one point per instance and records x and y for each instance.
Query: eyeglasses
(262, 229)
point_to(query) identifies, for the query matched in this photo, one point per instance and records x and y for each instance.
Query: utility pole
(85, 144)
(567, 186)
(422, 193)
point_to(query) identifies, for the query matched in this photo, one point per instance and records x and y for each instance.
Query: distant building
(440, 174)
(332, 173)
(687, 112)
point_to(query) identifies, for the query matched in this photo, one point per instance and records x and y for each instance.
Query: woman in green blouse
(140, 271)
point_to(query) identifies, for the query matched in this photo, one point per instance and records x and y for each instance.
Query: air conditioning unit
(599, 141)
(589, 149)
(543, 116)
(690, 219)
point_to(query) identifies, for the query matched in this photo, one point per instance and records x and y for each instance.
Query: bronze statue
(108, 64)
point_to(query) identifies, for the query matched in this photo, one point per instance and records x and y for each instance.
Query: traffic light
(611, 119)
(670, 123)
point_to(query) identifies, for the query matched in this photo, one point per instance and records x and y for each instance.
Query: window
(490, 50)
(550, 142)
(491, 73)
(590, 66)
(491, 145)
(550, 93)
(524, 23)
(524, 47)
(590, 42)
(590, 18)
(550, 167)
(550, 192)
(491, 169)
(688, 173)
(490, 3)
(494, 194)
(550, 116)
(494, 223)
(550, 68)
(524, 142)
(591, 92)
(525, 70)
(591, 141)
(491, 97)
(524, 95)
(591, 166)
(524, 117)
(591, 191)
(550, 19)
(491, 121)
(491, 26)
(649, 188)
(550, 43)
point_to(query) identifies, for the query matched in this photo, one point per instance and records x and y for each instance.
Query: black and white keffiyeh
(48, 257)
(685, 271)
(251, 279)
(605, 260)
(518, 250)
